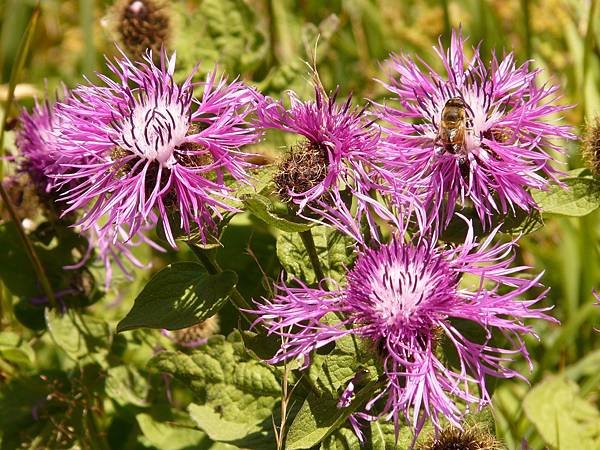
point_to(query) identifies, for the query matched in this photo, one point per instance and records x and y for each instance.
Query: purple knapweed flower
(337, 158)
(479, 134)
(151, 147)
(407, 299)
(39, 151)
(38, 146)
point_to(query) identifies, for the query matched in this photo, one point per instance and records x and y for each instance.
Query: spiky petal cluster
(406, 298)
(38, 145)
(338, 152)
(151, 147)
(40, 150)
(490, 158)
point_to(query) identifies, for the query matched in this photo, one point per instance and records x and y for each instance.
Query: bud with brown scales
(196, 333)
(472, 438)
(140, 25)
(303, 168)
(591, 146)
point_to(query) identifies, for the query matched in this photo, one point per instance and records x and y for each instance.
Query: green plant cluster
(99, 374)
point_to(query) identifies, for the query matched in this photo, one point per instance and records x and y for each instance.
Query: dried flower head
(471, 438)
(400, 297)
(591, 146)
(140, 25)
(195, 335)
(336, 158)
(480, 135)
(302, 170)
(151, 147)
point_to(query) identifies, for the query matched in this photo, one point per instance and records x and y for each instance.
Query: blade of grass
(86, 19)
(447, 26)
(527, 28)
(281, 31)
(588, 51)
(15, 73)
(14, 77)
(15, 14)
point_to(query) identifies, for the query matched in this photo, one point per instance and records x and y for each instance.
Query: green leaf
(80, 335)
(262, 346)
(248, 250)
(519, 222)
(17, 272)
(56, 247)
(229, 382)
(383, 435)
(581, 197)
(179, 296)
(16, 351)
(126, 385)
(341, 439)
(319, 417)
(261, 181)
(221, 430)
(334, 249)
(563, 418)
(330, 372)
(170, 436)
(263, 208)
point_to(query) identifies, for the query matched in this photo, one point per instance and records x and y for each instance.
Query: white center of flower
(155, 130)
(399, 291)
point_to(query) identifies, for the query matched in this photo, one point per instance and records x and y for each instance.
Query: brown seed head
(195, 333)
(591, 146)
(473, 438)
(304, 167)
(142, 24)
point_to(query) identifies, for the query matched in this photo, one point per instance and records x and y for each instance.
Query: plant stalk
(447, 25)
(587, 53)
(525, 6)
(31, 253)
(14, 76)
(313, 256)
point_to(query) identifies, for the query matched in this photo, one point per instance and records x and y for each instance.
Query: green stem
(14, 76)
(527, 26)
(97, 438)
(313, 256)
(447, 26)
(589, 49)
(206, 257)
(31, 253)
(86, 19)
(281, 31)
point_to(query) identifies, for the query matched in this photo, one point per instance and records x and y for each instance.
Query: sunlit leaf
(179, 296)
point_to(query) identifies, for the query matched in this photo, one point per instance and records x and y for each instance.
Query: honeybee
(453, 127)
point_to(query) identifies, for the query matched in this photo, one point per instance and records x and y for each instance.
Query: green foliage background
(102, 391)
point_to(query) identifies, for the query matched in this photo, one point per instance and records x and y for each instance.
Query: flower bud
(196, 334)
(138, 25)
(472, 438)
(591, 146)
(303, 169)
